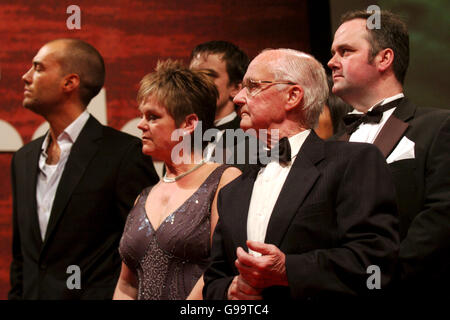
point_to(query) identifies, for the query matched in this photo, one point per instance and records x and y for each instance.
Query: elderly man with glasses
(318, 221)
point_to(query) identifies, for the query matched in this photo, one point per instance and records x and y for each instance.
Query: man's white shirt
(367, 132)
(267, 188)
(50, 175)
(212, 145)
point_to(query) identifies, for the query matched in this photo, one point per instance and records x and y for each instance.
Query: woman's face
(157, 126)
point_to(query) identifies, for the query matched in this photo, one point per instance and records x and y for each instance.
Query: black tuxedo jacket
(102, 177)
(238, 149)
(233, 124)
(422, 189)
(334, 217)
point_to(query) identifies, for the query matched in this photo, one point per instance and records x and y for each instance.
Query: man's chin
(32, 107)
(335, 89)
(27, 102)
(340, 86)
(245, 124)
(27, 105)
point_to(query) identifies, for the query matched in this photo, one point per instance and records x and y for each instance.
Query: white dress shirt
(267, 188)
(367, 132)
(49, 175)
(226, 119)
(212, 145)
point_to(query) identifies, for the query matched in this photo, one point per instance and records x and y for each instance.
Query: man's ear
(295, 97)
(190, 123)
(384, 59)
(71, 82)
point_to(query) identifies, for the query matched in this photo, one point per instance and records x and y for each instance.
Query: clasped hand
(257, 273)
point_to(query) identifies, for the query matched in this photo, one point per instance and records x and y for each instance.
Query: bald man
(73, 187)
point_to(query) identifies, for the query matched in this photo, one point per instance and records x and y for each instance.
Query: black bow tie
(353, 120)
(281, 152)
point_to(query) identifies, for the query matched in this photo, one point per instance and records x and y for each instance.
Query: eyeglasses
(254, 87)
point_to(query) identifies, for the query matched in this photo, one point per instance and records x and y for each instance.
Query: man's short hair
(83, 59)
(181, 91)
(393, 34)
(235, 59)
(303, 69)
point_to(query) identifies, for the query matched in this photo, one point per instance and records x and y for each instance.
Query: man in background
(226, 63)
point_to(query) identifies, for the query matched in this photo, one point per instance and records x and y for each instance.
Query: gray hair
(305, 70)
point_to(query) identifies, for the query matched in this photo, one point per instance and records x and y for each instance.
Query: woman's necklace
(167, 179)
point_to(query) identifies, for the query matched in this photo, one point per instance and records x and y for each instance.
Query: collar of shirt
(381, 102)
(267, 188)
(70, 133)
(295, 142)
(367, 132)
(212, 145)
(225, 119)
(50, 175)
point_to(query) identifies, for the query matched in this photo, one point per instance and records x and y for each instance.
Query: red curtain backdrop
(131, 35)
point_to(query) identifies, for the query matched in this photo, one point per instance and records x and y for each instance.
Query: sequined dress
(168, 261)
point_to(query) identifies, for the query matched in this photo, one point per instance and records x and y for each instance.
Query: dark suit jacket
(235, 147)
(102, 177)
(335, 216)
(423, 195)
(233, 124)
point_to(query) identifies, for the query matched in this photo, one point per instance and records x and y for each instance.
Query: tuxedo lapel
(239, 207)
(31, 172)
(299, 181)
(84, 148)
(344, 137)
(395, 127)
(390, 135)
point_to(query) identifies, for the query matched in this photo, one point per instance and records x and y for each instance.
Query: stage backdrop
(131, 35)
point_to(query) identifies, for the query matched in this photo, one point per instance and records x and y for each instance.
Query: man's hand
(265, 271)
(240, 290)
